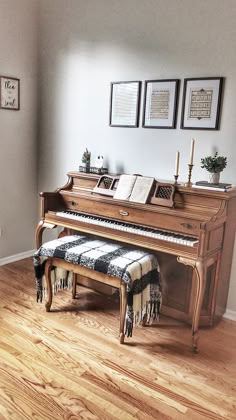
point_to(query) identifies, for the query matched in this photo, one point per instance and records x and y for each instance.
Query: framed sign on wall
(9, 93)
(201, 103)
(160, 102)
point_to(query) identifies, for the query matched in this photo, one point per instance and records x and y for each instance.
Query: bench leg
(48, 267)
(123, 305)
(74, 283)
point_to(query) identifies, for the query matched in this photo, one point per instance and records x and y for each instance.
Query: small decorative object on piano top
(93, 170)
(99, 162)
(214, 165)
(97, 169)
(86, 160)
(190, 165)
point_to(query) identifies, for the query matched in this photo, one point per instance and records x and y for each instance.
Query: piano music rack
(106, 185)
(163, 194)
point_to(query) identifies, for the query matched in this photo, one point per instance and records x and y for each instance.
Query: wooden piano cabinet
(226, 260)
(179, 291)
(208, 216)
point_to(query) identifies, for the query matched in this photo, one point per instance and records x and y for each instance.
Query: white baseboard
(17, 257)
(230, 315)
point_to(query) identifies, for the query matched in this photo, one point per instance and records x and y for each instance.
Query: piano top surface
(92, 179)
(194, 202)
(193, 210)
(199, 204)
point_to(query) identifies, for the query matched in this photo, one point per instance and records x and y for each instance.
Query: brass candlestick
(176, 179)
(189, 183)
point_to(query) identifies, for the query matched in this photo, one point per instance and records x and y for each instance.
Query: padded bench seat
(133, 271)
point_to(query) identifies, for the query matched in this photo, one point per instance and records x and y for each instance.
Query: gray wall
(18, 129)
(87, 44)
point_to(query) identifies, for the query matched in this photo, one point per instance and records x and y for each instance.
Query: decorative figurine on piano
(86, 159)
(99, 162)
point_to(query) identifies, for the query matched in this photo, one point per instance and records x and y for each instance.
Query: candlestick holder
(189, 183)
(176, 179)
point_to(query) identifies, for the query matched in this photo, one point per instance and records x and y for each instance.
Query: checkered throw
(137, 268)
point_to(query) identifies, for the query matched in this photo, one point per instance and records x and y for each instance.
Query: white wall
(87, 44)
(18, 181)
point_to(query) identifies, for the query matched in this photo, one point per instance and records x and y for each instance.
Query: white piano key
(125, 227)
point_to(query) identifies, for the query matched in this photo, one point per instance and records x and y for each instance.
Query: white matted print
(201, 103)
(124, 104)
(160, 101)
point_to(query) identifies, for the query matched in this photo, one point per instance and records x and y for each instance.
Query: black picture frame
(125, 104)
(201, 105)
(160, 103)
(9, 93)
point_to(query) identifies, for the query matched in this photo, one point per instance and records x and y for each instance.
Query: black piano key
(139, 229)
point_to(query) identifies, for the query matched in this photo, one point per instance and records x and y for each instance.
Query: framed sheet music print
(201, 103)
(124, 104)
(160, 103)
(9, 93)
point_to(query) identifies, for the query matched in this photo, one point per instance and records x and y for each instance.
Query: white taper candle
(177, 163)
(192, 152)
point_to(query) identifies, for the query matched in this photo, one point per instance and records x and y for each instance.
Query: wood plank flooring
(68, 364)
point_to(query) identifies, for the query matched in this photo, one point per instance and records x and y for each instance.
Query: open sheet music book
(134, 188)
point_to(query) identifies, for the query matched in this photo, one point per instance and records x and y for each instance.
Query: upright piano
(193, 238)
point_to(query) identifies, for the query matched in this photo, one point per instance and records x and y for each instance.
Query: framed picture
(160, 103)
(9, 93)
(124, 104)
(201, 103)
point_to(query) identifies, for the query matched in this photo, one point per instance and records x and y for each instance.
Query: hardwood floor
(68, 364)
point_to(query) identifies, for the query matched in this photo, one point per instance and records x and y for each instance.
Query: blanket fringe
(61, 279)
(143, 309)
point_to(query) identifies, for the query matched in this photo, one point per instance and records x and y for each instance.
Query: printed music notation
(134, 188)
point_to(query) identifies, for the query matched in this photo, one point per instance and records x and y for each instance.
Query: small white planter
(214, 178)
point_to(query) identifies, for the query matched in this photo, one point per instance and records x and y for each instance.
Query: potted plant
(214, 164)
(86, 159)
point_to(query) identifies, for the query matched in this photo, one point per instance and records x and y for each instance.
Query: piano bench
(133, 271)
(91, 274)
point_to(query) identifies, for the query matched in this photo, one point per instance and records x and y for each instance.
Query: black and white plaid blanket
(137, 268)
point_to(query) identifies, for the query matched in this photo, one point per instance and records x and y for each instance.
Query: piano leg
(123, 305)
(74, 283)
(48, 267)
(200, 277)
(39, 232)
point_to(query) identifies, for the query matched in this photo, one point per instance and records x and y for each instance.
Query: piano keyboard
(129, 227)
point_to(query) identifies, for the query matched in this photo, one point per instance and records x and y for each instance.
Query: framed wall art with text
(9, 93)
(160, 103)
(201, 103)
